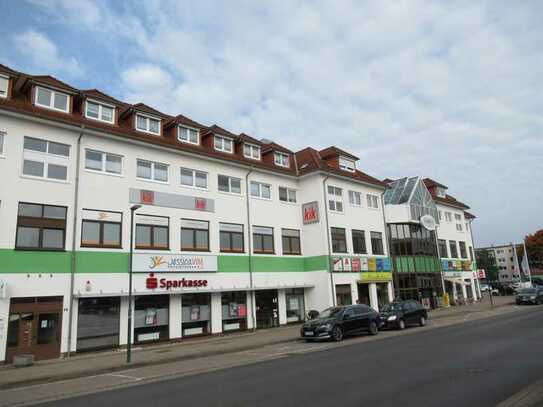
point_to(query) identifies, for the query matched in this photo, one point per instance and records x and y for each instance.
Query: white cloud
(43, 54)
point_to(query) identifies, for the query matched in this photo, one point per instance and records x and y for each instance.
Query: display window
(196, 314)
(295, 304)
(151, 318)
(234, 310)
(98, 323)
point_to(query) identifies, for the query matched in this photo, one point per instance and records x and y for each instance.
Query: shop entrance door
(34, 327)
(382, 294)
(267, 308)
(364, 294)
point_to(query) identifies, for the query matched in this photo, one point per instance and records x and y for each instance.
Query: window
(441, 192)
(339, 242)
(346, 165)
(51, 99)
(98, 322)
(4, 87)
(40, 227)
(377, 243)
(229, 184)
(2, 136)
(355, 198)
(101, 229)
(147, 124)
(454, 251)
(373, 201)
(260, 190)
(459, 227)
(442, 246)
(99, 111)
(152, 171)
(282, 159)
(223, 144)
(103, 162)
(359, 242)
(251, 151)
(263, 240)
(193, 178)
(152, 232)
(463, 253)
(448, 216)
(195, 235)
(457, 217)
(471, 253)
(287, 195)
(291, 241)
(231, 237)
(439, 215)
(467, 224)
(335, 198)
(45, 159)
(188, 135)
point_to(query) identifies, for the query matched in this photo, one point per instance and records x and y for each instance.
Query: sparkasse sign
(173, 263)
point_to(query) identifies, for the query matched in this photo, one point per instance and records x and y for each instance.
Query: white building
(508, 270)
(231, 233)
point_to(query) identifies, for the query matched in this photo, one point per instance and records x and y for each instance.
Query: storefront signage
(481, 273)
(172, 263)
(360, 264)
(428, 222)
(456, 265)
(375, 276)
(168, 200)
(310, 212)
(152, 283)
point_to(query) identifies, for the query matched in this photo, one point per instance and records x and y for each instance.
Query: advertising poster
(195, 313)
(233, 309)
(337, 264)
(347, 264)
(372, 264)
(355, 264)
(379, 264)
(363, 264)
(242, 310)
(387, 266)
(151, 316)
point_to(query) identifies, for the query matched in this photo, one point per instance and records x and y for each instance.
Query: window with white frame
(45, 159)
(2, 136)
(224, 144)
(188, 135)
(147, 124)
(441, 192)
(4, 86)
(193, 178)
(346, 164)
(52, 99)
(448, 216)
(467, 226)
(251, 151)
(152, 171)
(373, 201)
(99, 111)
(229, 184)
(439, 215)
(335, 198)
(103, 162)
(287, 195)
(459, 227)
(355, 198)
(260, 190)
(282, 159)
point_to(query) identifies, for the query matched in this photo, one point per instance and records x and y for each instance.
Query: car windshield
(395, 306)
(330, 312)
(527, 291)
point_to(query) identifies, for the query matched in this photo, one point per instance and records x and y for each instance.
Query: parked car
(337, 322)
(529, 296)
(494, 291)
(485, 287)
(400, 314)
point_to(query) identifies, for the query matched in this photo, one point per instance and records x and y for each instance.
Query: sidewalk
(88, 364)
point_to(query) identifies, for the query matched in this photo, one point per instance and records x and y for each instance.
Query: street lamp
(133, 209)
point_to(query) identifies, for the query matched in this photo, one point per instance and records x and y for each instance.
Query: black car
(400, 314)
(337, 322)
(529, 296)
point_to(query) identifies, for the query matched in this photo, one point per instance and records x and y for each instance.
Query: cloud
(43, 54)
(146, 82)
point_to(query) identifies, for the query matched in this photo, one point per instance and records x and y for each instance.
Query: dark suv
(529, 296)
(400, 314)
(337, 322)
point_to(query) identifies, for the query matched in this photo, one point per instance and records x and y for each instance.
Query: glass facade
(98, 323)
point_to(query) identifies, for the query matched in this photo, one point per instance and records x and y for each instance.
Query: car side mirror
(347, 316)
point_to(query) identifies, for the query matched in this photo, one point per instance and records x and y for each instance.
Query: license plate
(309, 333)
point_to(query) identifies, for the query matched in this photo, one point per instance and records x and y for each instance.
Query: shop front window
(234, 310)
(343, 294)
(196, 314)
(151, 318)
(295, 304)
(98, 323)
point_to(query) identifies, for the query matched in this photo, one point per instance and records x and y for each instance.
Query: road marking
(124, 376)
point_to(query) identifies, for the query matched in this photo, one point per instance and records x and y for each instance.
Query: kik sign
(310, 212)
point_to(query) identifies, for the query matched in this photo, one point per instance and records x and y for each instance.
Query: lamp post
(133, 209)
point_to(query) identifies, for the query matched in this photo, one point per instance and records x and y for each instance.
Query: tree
(534, 247)
(487, 261)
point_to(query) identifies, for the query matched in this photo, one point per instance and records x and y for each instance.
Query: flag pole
(527, 262)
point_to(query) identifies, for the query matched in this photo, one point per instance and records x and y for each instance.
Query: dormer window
(346, 165)
(188, 135)
(440, 192)
(4, 82)
(251, 151)
(147, 124)
(223, 144)
(282, 160)
(51, 99)
(99, 111)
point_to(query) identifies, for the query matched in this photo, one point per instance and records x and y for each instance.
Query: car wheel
(374, 329)
(337, 334)
(401, 324)
(422, 321)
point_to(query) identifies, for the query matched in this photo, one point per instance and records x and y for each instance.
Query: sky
(450, 90)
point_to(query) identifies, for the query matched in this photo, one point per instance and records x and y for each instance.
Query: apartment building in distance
(508, 270)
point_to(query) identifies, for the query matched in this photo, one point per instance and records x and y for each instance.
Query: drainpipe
(249, 241)
(73, 262)
(328, 238)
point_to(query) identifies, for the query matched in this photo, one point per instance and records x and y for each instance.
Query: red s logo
(151, 282)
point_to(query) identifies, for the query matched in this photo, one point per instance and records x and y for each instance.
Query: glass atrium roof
(411, 191)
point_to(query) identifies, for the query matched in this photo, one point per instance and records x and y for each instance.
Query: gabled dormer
(275, 154)
(184, 130)
(144, 119)
(339, 159)
(98, 106)
(249, 147)
(47, 92)
(435, 188)
(219, 139)
(6, 81)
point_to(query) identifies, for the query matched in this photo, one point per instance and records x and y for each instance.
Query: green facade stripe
(27, 262)
(101, 262)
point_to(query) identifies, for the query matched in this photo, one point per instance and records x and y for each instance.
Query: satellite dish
(428, 222)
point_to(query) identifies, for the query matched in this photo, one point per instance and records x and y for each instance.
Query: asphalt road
(478, 363)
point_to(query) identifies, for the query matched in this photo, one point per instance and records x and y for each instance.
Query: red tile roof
(431, 183)
(49, 80)
(333, 151)
(101, 96)
(272, 146)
